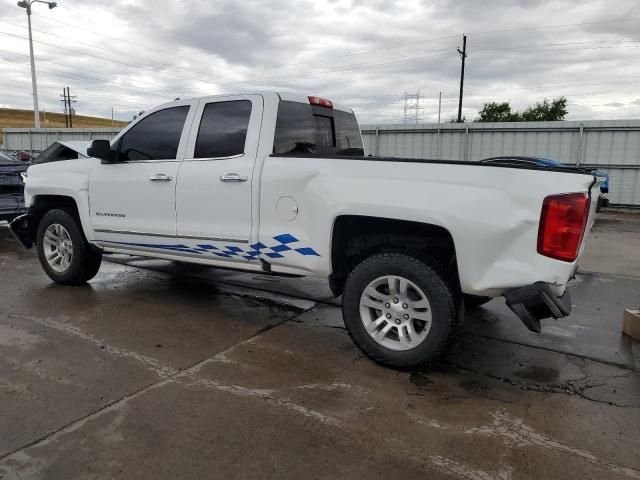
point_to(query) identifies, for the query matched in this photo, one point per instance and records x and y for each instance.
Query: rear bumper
(23, 229)
(536, 302)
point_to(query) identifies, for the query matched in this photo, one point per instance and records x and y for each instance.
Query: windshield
(303, 128)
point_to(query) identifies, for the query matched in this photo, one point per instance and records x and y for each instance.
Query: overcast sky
(365, 53)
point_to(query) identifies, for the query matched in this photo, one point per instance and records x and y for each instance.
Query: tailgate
(594, 194)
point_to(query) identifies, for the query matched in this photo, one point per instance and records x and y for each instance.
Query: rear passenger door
(213, 193)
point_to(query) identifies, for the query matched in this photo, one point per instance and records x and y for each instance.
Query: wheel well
(43, 203)
(358, 237)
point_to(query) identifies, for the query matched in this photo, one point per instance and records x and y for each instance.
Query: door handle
(232, 177)
(160, 177)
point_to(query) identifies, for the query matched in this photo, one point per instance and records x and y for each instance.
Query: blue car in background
(603, 201)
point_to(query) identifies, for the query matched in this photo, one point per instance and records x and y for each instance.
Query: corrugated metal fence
(35, 140)
(613, 146)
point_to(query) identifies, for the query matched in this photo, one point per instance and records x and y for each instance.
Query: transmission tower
(412, 107)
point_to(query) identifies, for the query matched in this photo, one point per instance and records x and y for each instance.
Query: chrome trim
(160, 177)
(173, 253)
(213, 158)
(174, 237)
(233, 177)
(124, 162)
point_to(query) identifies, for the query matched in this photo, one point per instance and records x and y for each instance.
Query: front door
(213, 194)
(132, 201)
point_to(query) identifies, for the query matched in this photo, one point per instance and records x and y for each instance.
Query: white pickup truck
(278, 183)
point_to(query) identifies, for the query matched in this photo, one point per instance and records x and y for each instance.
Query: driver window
(155, 137)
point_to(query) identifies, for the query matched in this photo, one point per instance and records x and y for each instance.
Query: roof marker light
(323, 102)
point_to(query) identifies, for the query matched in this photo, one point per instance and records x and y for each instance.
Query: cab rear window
(305, 128)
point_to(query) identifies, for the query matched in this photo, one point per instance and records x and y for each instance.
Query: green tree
(544, 111)
(547, 111)
(497, 112)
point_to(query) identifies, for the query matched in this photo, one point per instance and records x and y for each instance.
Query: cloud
(366, 53)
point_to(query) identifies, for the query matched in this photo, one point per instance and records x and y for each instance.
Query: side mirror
(101, 149)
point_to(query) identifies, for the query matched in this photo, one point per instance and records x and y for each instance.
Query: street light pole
(27, 5)
(34, 85)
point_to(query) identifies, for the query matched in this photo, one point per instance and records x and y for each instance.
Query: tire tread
(443, 289)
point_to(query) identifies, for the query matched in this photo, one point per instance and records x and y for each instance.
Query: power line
(99, 79)
(362, 52)
(331, 57)
(99, 57)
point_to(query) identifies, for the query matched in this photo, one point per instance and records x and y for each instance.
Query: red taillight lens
(323, 102)
(562, 225)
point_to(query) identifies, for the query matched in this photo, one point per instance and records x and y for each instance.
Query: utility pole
(439, 105)
(70, 108)
(69, 111)
(26, 4)
(64, 101)
(463, 56)
(34, 85)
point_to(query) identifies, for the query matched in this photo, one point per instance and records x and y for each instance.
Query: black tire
(474, 301)
(446, 317)
(85, 261)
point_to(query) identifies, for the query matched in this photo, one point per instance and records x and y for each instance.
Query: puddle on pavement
(420, 380)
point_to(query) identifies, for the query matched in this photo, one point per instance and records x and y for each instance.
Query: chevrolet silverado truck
(278, 183)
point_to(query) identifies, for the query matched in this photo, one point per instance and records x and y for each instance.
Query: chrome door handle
(232, 177)
(160, 177)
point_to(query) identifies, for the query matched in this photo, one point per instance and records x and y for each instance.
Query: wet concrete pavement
(160, 370)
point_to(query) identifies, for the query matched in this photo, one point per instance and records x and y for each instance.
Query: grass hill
(12, 118)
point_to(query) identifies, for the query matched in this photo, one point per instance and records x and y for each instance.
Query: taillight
(323, 102)
(562, 225)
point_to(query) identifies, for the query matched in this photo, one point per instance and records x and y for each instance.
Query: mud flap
(537, 302)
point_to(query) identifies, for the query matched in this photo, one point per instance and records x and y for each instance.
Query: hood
(76, 145)
(63, 150)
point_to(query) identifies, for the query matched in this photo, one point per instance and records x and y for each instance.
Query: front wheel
(399, 310)
(64, 253)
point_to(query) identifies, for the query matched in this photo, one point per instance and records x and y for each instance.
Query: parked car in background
(11, 187)
(24, 156)
(603, 201)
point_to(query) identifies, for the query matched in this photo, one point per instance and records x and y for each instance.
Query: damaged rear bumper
(537, 302)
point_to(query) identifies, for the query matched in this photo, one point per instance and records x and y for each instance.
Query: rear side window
(223, 129)
(303, 128)
(295, 129)
(155, 137)
(348, 137)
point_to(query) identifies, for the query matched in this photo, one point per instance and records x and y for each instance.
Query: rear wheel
(64, 253)
(399, 310)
